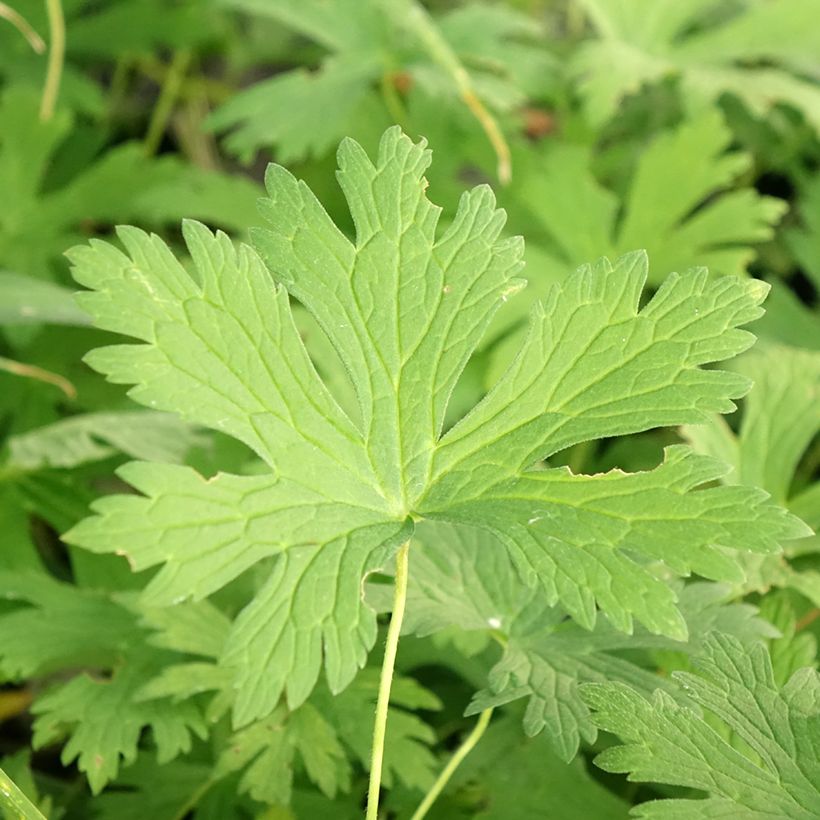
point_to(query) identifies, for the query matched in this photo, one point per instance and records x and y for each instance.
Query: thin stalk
(31, 371)
(23, 26)
(118, 86)
(392, 101)
(455, 761)
(56, 56)
(195, 141)
(411, 13)
(164, 107)
(386, 681)
(194, 799)
(809, 618)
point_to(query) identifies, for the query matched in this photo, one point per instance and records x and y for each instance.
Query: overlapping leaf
(404, 306)
(104, 720)
(762, 53)
(781, 417)
(676, 204)
(757, 757)
(56, 626)
(473, 586)
(372, 43)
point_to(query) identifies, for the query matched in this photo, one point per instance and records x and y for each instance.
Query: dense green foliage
(596, 449)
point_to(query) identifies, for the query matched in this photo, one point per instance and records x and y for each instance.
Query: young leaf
(268, 749)
(770, 767)
(104, 720)
(405, 306)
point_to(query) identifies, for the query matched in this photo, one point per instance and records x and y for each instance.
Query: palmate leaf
(404, 307)
(759, 755)
(269, 748)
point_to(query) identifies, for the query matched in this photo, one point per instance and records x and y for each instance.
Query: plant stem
(392, 102)
(165, 102)
(31, 371)
(810, 617)
(413, 15)
(386, 681)
(194, 799)
(23, 26)
(455, 761)
(56, 55)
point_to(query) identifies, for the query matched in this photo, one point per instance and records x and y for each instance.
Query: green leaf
(767, 767)
(508, 775)
(59, 626)
(758, 54)
(12, 799)
(95, 436)
(325, 103)
(804, 241)
(547, 516)
(545, 658)
(38, 220)
(408, 757)
(676, 204)
(268, 750)
(104, 720)
(405, 306)
(194, 628)
(150, 789)
(781, 417)
(25, 301)
(375, 48)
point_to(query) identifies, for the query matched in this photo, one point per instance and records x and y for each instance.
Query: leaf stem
(386, 681)
(810, 617)
(31, 371)
(56, 56)
(392, 102)
(412, 14)
(194, 798)
(455, 761)
(164, 107)
(23, 26)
